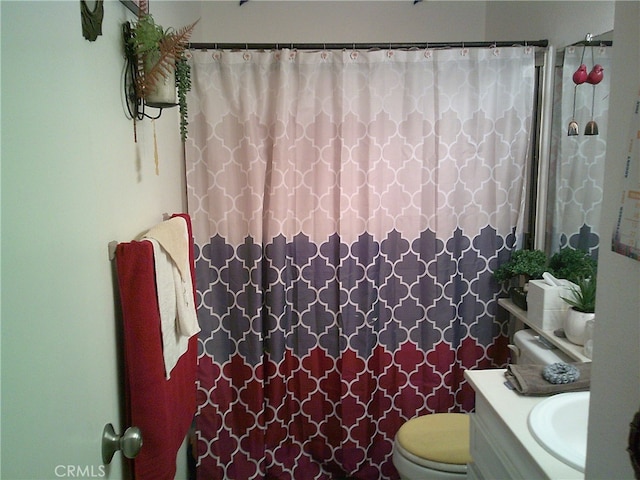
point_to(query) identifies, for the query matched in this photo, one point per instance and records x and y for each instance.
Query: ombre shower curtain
(576, 174)
(348, 208)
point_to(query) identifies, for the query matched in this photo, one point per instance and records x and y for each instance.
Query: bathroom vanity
(502, 446)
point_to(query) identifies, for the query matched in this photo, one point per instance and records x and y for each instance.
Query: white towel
(173, 235)
(178, 317)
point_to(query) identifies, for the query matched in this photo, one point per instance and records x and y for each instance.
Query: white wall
(341, 21)
(560, 22)
(615, 392)
(72, 180)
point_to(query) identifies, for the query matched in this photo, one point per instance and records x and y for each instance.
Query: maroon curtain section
(312, 356)
(162, 409)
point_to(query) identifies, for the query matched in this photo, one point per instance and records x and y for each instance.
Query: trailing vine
(183, 81)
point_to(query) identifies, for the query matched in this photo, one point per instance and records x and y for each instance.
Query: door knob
(130, 442)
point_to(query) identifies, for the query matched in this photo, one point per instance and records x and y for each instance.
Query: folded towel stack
(529, 379)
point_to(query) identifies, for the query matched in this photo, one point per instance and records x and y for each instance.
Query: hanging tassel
(135, 131)
(155, 147)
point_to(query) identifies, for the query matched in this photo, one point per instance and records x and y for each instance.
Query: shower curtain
(577, 162)
(348, 208)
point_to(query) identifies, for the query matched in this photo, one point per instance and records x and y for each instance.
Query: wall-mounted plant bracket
(136, 104)
(157, 73)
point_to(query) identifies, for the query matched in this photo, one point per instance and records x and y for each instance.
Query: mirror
(578, 146)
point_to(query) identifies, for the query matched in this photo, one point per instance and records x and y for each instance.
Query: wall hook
(130, 442)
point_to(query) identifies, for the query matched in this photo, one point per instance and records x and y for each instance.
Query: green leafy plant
(572, 264)
(526, 264)
(183, 81)
(583, 295)
(160, 53)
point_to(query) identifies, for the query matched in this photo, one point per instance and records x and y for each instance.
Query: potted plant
(524, 265)
(583, 307)
(160, 65)
(572, 264)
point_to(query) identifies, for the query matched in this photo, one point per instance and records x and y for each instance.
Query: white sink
(559, 424)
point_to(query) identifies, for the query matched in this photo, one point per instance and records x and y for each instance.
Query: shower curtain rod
(593, 43)
(361, 46)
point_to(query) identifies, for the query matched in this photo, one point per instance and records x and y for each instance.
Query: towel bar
(114, 244)
(112, 249)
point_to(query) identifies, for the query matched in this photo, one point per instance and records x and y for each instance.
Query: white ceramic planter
(164, 92)
(575, 325)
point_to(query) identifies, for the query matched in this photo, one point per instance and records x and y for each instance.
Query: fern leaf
(170, 50)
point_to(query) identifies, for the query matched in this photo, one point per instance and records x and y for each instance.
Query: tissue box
(546, 310)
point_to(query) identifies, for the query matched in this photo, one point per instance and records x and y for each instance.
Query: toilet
(433, 447)
(528, 348)
(436, 446)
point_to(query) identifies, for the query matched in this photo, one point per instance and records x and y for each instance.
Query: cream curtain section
(413, 140)
(349, 208)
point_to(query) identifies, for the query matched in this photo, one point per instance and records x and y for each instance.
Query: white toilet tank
(530, 350)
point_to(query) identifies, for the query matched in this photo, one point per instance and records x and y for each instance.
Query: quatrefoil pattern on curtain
(349, 209)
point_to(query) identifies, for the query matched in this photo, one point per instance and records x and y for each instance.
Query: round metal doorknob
(130, 442)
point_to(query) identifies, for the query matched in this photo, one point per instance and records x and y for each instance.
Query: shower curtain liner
(349, 208)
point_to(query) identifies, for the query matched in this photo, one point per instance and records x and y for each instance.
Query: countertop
(513, 409)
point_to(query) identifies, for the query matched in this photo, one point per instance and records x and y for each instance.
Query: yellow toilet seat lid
(439, 437)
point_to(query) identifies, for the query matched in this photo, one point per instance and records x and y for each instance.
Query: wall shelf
(574, 351)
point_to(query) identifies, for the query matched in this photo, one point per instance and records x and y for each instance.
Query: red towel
(162, 409)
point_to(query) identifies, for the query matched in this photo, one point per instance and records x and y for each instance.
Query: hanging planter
(163, 93)
(159, 67)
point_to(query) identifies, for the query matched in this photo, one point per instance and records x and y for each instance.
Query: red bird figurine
(580, 75)
(595, 75)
